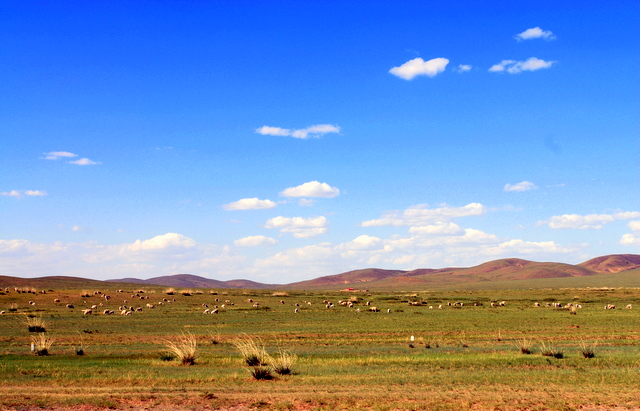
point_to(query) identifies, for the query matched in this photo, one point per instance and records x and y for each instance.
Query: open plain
(443, 349)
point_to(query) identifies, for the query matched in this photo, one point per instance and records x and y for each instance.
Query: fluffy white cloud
(634, 225)
(254, 241)
(630, 239)
(311, 189)
(250, 204)
(35, 193)
(520, 247)
(535, 33)
(299, 227)
(522, 186)
(56, 155)
(315, 131)
(12, 193)
(463, 68)
(419, 67)
(19, 194)
(586, 222)
(515, 67)
(420, 215)
(440, 228)
(84, 162)
(163, 242)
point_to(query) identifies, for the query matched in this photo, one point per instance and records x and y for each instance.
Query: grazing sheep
(214, 311)
(610, 307)
(107, 312)
(493, 305)
(373, 309)
(70, 306)
(431, 307)
(503, 303)
(93, 307)
(206, 311)
(440, 307)
(139, 309)
(388, 310)
(57, 300)
(256, 305)
(2, 312)
(536, 304)
(88, 311)
(628, 307)
(296, 311)
(150, 305)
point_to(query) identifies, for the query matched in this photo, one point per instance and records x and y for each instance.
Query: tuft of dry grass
(549, 350)
(43, 344)
(184, 349)
(283, 363)
(253, 353)
(524, 345)
(35, 324)
(588, 350)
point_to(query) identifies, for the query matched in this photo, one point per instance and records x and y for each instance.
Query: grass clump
(588, 350)
(524, 345)
(35, 324)
(253, 353)
(549, 350)
(283, 363)
(80, 348)
(42, 344)
(184, 349)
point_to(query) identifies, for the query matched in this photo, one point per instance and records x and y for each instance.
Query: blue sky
(281, 141)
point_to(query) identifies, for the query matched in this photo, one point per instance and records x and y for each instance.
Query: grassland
(462, 357)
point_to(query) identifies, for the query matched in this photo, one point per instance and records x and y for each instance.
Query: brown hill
(613, 263)
(194, 281)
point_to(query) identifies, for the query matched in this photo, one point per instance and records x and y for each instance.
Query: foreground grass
(345, 359)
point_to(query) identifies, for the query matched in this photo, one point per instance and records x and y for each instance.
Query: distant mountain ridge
(507, 269)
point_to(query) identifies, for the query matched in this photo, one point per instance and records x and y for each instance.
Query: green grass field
(462, 357)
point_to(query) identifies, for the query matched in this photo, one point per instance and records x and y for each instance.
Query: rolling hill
(616, 270)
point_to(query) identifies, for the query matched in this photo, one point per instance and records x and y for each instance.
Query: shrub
(262, 372)
(35, 324)
(549, 350)
(284, 362)
(252, 353)
(80, 348)
(43, 344)
(588, 350)
(184, 349)
(525, 346)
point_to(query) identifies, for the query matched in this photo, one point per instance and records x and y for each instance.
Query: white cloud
(535, 33)
(299, 227)
(515, 67)
(19, 194)
(162, 243)
(440, 228)
(84, 162)
(630, 239)
(35, 193)
(463, 68)
(315, 131)
(363, 242)
(419, 67)
(311, 189)
(421, 215)
(254, 241)
(520, 247)
(634, 225)
(12, 193)
(587, 222)
(250, 204)
(56, 155)
(522, 186)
